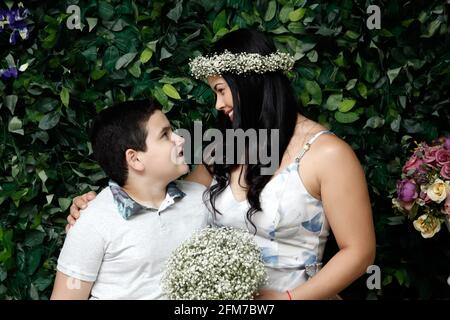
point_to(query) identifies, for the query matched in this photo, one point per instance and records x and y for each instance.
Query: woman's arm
(200, 175)
(69, 288)
(347, 206)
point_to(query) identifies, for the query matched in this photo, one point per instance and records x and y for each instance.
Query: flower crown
(239, 63)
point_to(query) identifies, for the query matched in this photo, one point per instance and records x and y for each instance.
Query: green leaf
(90, 54)
(374, 122)
(43, 283)
(159, 94)
(371, 73)
(46, 104)
(125, 60)
(65, 96)
(170, 91)
(10, 102)
(362, 89)
(64, 203)
(333, 101)
(10, 60)
(176, 12)
(220, 21)
(352, 34)
(284, 13)
(42, 175)
(135, 69)
(146, 55)
(105, 10)
(164, 54)
(296, 27)
(297, 15)
(314, 90)
(348, 117)
(34, 259)
(433, 26)
(34, 238)
(49, 121)
(312, 56)
(346, 105)
(110, 58)
(97, 74)
(351, 84)
(92, 22)
(393, 73)
(271, 11)
(15, 126)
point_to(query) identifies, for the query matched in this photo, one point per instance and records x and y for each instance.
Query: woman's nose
(219, 105)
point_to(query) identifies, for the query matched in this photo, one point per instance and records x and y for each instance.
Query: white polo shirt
(125, 257)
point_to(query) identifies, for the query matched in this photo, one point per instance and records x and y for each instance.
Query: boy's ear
(133, 161)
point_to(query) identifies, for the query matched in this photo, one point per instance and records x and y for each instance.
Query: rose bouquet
(423, 193)
(215, 264)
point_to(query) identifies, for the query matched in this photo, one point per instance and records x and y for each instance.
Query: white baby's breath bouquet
(215, 264)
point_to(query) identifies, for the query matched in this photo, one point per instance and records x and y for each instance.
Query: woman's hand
(78, 203)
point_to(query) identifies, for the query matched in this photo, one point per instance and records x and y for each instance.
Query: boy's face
(164, 158)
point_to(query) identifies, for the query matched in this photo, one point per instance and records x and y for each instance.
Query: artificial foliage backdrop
(379, 89)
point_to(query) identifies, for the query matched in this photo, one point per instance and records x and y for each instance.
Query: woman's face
(224, 98)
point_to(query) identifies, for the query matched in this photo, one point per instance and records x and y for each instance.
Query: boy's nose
(178, 139)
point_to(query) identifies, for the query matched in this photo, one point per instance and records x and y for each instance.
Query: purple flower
(16, 20)
(407, 191)
(447, 143)
(8, 73)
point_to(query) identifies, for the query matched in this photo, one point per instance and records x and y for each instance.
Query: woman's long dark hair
(260, 101)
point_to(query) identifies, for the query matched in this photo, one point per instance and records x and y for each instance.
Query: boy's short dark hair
(117, 129)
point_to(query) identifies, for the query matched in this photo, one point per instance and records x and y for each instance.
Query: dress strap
(309, 143)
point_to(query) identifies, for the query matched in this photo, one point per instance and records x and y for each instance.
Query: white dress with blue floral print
(292, 228)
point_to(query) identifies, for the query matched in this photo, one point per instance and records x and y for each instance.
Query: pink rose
(413, 164)
(430, 154)
(445, 171)
(447, 205)
(443, 156)
(424, 196)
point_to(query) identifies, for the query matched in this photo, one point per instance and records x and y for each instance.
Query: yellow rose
(437, 191)
(427, 225)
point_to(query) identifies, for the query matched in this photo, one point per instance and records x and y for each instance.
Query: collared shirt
(127, 207)
(125, 258)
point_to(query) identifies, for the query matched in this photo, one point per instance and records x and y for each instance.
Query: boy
(119, 248)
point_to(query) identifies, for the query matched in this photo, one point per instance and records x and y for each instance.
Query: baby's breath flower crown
(215, 264)
(240, 63)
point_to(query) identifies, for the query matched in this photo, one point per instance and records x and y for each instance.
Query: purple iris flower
(16, 20)
(11, 72)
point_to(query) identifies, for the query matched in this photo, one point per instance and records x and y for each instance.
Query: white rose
(427, 225)
(437, 191)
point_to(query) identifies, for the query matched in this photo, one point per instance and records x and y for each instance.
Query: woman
(319, 183)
